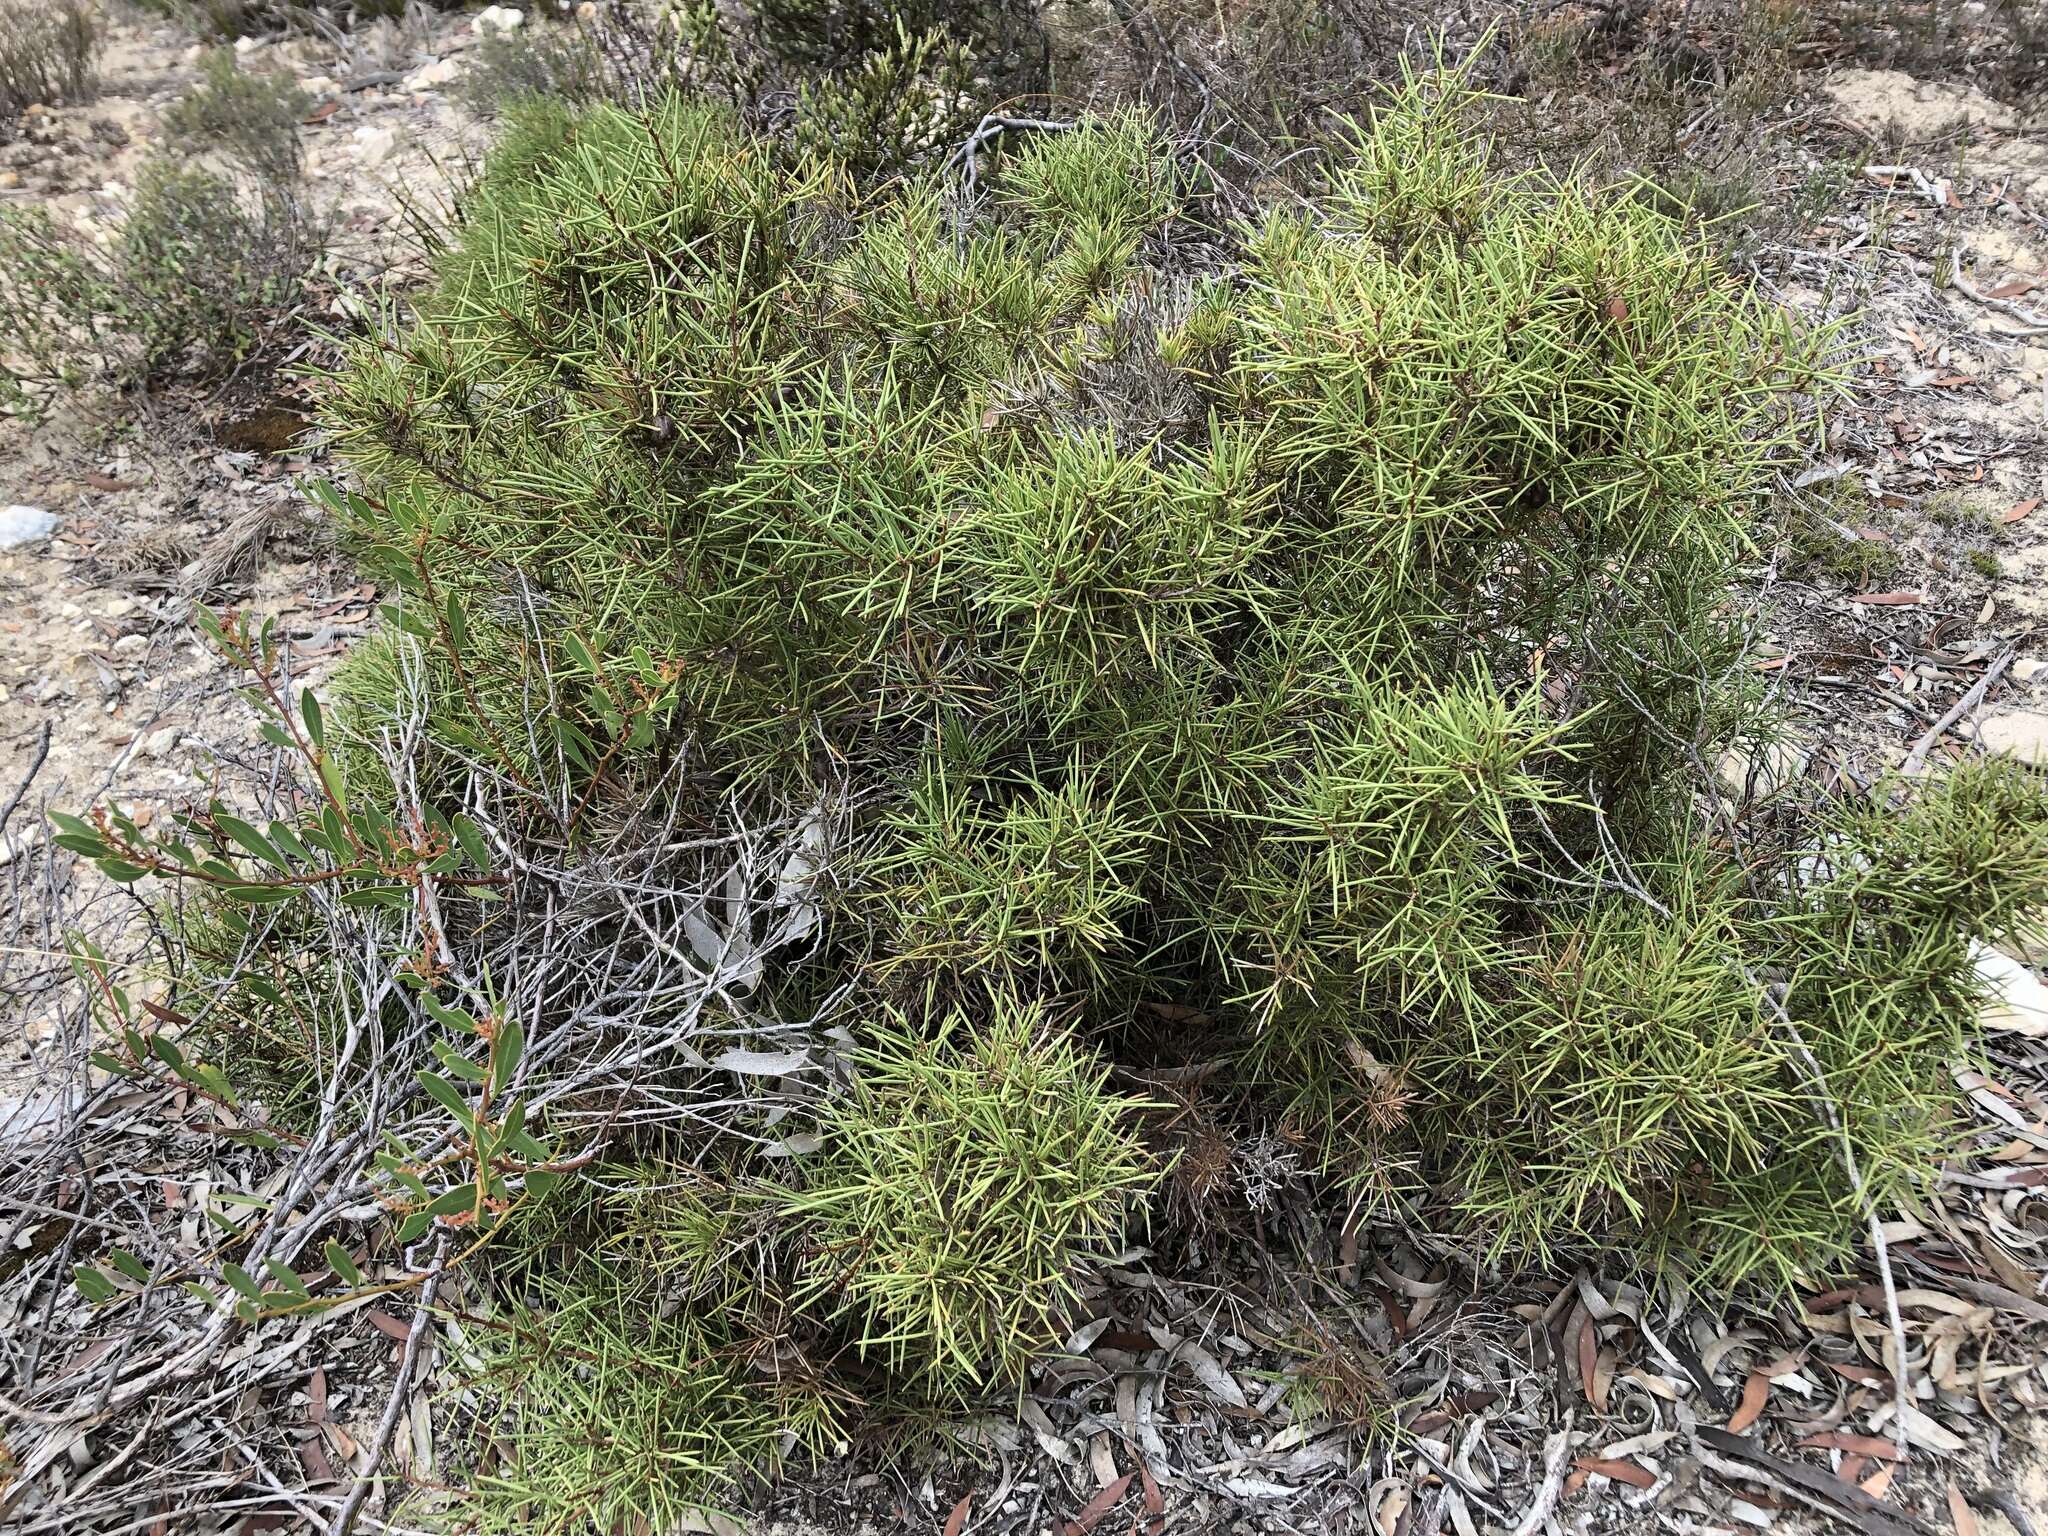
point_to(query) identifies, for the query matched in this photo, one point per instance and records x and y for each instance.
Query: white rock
(161, 743)
(432, 76)
(24, 525)
(130, 646)
(319, 85)
(2016, 1001)
(375, 145)
(2027, 668)
(2022, 733)
(497, 18)
(248, 44)
(1761, 770)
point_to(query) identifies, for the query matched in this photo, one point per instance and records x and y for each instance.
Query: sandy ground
(105, 690)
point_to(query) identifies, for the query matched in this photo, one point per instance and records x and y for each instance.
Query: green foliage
(483, 1164)
(889, 107)
(563, 63)
(1317, 626)
(1003, 39)
(56, 306)
(617, 1415)
(201, 269)
(973, 1165)
(1330, 645)
(225, 20)
(252, 118)
(1630, 1071)
(48, 51)
(1818, 545)
(869, 91)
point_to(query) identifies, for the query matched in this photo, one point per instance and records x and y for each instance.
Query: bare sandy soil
(158, 504)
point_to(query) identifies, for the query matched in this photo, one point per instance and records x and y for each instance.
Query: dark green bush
(207, 261)
(870, 91)
(198, 275)
(1005, 39)
(1331, 641)
(226, 20)
(252, 118)
(48, 52)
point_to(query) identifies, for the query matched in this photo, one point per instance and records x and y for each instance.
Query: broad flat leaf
(762, 1063)
(705, 939)
(1755, 1393)
(1959, 1511)
(1618, 1468)
(1210, 1372)
(1928, 1435)
(343, 1266)
(1097, 1507)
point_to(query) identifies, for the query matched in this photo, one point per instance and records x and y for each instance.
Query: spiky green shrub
(1329, 640)
(959, 1183)
(672, 1327)
(613, 1414)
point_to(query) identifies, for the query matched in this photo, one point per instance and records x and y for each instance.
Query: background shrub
(200, 272)
(251, 118)
(871, 91)
(226, 20)
(207, 261)
(47, 53)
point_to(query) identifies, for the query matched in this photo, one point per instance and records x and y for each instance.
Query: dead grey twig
(1816, 1489)
(1917, 758)
(1554, 1455)
(1825, 1104)
(345, 1517)
(992, 127)
(35, 766)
